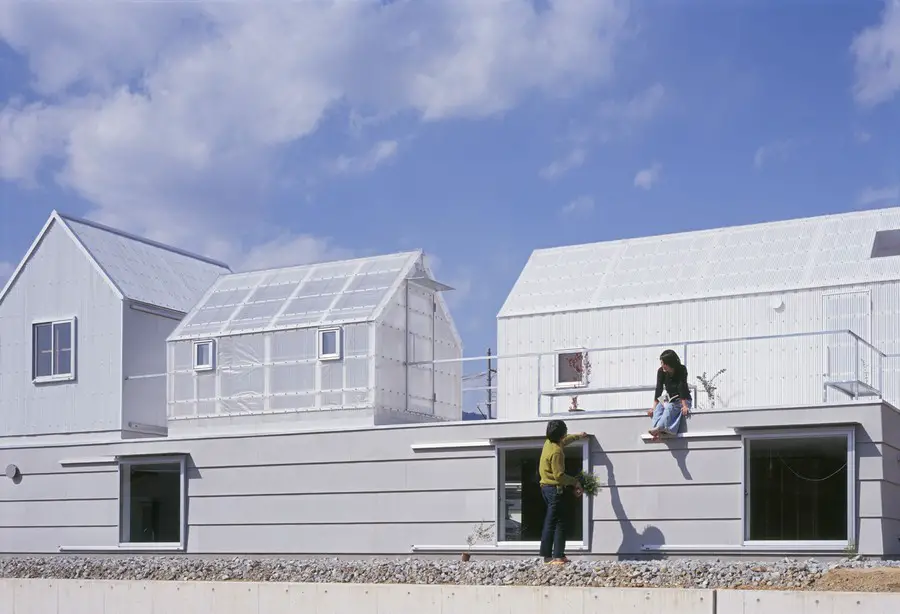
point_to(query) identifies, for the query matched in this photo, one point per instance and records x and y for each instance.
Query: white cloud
(583, 205)
(560, 167)
(289, 250)
(877, 53)
(648, 177)
(874, 196)
(640, 108)
(862, 136)
(167, 117)
(380, 153)
(778, 150)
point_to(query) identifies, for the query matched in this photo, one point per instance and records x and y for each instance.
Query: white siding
(144, 367)
(59, 281)
(273, 372)
(786, 371)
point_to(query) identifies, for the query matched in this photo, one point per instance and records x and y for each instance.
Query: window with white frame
(53, 350)
(572, 369)
(152, 501)
(329, 343)
(521, 506)
(799, 487)
(204, 355)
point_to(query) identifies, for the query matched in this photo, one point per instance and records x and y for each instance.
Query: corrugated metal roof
(812, 252)
(146, 271)
(297, 297)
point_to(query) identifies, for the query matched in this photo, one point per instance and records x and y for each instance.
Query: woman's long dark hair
(670, 359)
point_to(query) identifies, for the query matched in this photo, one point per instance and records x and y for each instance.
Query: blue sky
(479, 131)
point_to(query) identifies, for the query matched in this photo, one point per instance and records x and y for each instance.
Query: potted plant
(483, 532)
(581, 364)
(710, 387)
(590, 483)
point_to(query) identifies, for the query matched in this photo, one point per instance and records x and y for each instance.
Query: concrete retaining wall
(127, 597)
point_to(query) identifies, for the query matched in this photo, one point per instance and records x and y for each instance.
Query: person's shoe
(560, 561)
(548, 559)
(654, 432)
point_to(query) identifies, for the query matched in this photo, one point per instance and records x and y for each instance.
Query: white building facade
(153, 401)
(798, 312)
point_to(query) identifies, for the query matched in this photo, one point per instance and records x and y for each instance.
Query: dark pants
(553, 536)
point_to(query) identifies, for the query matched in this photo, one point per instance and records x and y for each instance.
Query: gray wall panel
(77, 513)
(343, 508)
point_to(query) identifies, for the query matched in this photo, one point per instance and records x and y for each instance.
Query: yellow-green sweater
(553, 463)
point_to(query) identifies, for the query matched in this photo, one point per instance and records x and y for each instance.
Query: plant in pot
(590, 483)
(482, 533)
(581, 364)
(710, 387)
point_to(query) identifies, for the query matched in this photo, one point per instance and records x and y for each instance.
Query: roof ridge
(327, 262)
(701, 231)
(140, 239)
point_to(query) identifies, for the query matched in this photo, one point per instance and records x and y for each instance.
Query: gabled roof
(328, 293)
(137, 269)
(814, 252)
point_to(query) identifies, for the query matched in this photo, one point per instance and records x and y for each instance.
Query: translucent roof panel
(777, 256)
(309, 295)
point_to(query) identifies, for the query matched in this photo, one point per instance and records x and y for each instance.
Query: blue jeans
(667, 416)
(553, 536)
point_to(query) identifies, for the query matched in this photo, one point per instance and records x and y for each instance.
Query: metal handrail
(683, 344)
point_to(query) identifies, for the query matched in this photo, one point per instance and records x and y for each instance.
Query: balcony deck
(796, 369)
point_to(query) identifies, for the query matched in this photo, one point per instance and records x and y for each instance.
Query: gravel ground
(784, 574)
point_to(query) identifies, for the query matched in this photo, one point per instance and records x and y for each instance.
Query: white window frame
(500, 496)
(61, 377)
(124, 507)
(565, 385)
(338, 342)
(849, 433)
(212, 355)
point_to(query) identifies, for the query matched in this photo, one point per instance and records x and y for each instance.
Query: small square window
(53, 351)
(572, 369)
(330, 344)
(204, 355)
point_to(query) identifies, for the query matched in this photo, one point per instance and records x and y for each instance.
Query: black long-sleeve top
(676, 384)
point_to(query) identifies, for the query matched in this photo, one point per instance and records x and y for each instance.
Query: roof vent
(887, 243)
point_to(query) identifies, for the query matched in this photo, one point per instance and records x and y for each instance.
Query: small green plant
(482, 533)
(590, 483)
(581, 364)
(850, 551)
(709, 386)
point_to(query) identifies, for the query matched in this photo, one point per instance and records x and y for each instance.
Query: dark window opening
(522, 506)
(151, 506)
(797, 489)
(887, 243)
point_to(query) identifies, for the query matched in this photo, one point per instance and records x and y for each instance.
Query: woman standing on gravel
(554, 481)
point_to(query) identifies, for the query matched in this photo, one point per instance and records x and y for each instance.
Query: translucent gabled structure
(331, 338)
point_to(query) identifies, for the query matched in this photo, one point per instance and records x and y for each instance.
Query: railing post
(538, 379)
(684, 355)
(855, 367)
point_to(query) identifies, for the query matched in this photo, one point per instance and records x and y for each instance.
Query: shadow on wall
(632, 539)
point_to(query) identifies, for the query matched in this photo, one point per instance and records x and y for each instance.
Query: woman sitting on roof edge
(671, 391)
(554, 480)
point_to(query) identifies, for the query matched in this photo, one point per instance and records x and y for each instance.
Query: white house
(323, 342)
(83, 316)
(314, 410)
(769, 303)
